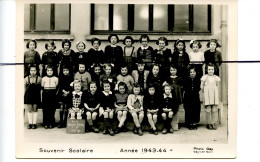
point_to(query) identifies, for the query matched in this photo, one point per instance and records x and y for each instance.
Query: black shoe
(105, 131)
(151, 131)
(29, 126)
(46, 126)
(111, 132)
(117, 130)
(50, 126)
(164, 131)
(140, 132)
(195, 127)
(171, 130)
(155, 132)
(124, 129)
(60, 125)
(135, 130)
(214, 127)
(209, 126)
(95, 129)
(190, 127)
(34, 126)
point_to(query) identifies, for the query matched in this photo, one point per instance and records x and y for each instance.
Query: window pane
(101, 17)
(141, 17)
(62, 17)
(27, 17)
(181, 17)
(160, 17)
(120, 17)
(200, 18)
(43, 12)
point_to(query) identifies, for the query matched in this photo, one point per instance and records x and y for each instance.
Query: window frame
(150, 21)
(32, 25)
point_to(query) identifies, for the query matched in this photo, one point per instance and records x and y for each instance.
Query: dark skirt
(49, 106)
(192, 107)
(32, 94)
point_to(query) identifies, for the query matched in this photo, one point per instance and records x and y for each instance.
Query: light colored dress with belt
(211, 96)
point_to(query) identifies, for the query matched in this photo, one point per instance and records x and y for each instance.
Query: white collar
(144, 47)
(78, 93)
(165, 96)
(106, 94)
(96, 49)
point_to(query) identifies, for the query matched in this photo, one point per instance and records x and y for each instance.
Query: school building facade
(81, 22)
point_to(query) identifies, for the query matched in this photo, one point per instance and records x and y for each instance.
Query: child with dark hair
(92, 104)
(64, 91)
(32, 96)
(135, 106)
(151, 105)
(180, 57)
(126, 78)
(66, 56)
(81, 56)
(108, 76)
(96, 72)
(49, 85)
(155, 78)
(31, 57)
(212, 55)
(196, 57)
(106, 109)
(114, 52)
(145, 53)
(95, 54)
(129, 52)
(162, 55)
(50, 57)
(140, 75)
(83, 76)
(121, 106)
(191, 99)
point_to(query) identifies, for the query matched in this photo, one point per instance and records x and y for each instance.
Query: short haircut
(106, 82)
(176, 44)
(52, 43)
(162, 39)
(31, 40)
(144, 36)
(95, 39)
(214, 41)
(128, 37)
(65, 41)
(195, 42)
(92, 82)
(123, 84)
(79, 43)
(113, 35)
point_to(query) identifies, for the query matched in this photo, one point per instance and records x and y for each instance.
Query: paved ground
(182, 136)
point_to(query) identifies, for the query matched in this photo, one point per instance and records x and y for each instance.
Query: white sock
(30, 116)
(34, 117)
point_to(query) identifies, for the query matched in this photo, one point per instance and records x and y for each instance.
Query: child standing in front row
(192, 104)
(83, 76)
(106, 109)
(92, 104)
(121, 106)
(135, 106)
(32, 96)
(151, 104)
(196, 57)
(49, 85)
(209, 85)
(169, 105)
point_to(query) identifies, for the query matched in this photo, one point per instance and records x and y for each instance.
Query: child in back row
(129, 52)
(67, 56)
(145, 53)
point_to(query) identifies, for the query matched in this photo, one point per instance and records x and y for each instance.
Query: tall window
(157, 18)
(47, 17)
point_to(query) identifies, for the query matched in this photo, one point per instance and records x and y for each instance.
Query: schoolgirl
(121, 106)
(95, 72)
(50, 57)
(129, 52)
(180, 57)
(108, 76)
(126, 78)
(155, 78)
(95, 54)
(32, 96)
(67, 56)
(83, 76)
(31, 57)
(81, 57)
(49, 85)
(92, 104)
(140, 75)
(212, 55)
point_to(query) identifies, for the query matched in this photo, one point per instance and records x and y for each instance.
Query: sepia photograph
(151, 79)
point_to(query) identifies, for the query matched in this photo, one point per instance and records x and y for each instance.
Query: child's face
(66, 71)
(151, 90)
(210, 70)
(144, 42)
(124, 71)
(161, 44)
(128, 42)
(173, 71)
(66, 46)
(136, 90)
(81, 47)
(167, 90)
(180, 46)
(93, 88)
(212, 46)
(50, 47)
(106, 87)
(113, 40)
(97, 70)
(31, 46)
(108, 70)
(77, 87)
(192, 73)
(140, 67)
(121, 89)
(33, 71)
(155, 70)
(195, 47)
(49, 71)
(96, 44)
(81, 68)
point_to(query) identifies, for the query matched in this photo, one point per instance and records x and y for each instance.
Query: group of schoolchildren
(119, 81)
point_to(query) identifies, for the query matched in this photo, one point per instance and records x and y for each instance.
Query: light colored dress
(211, 96)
